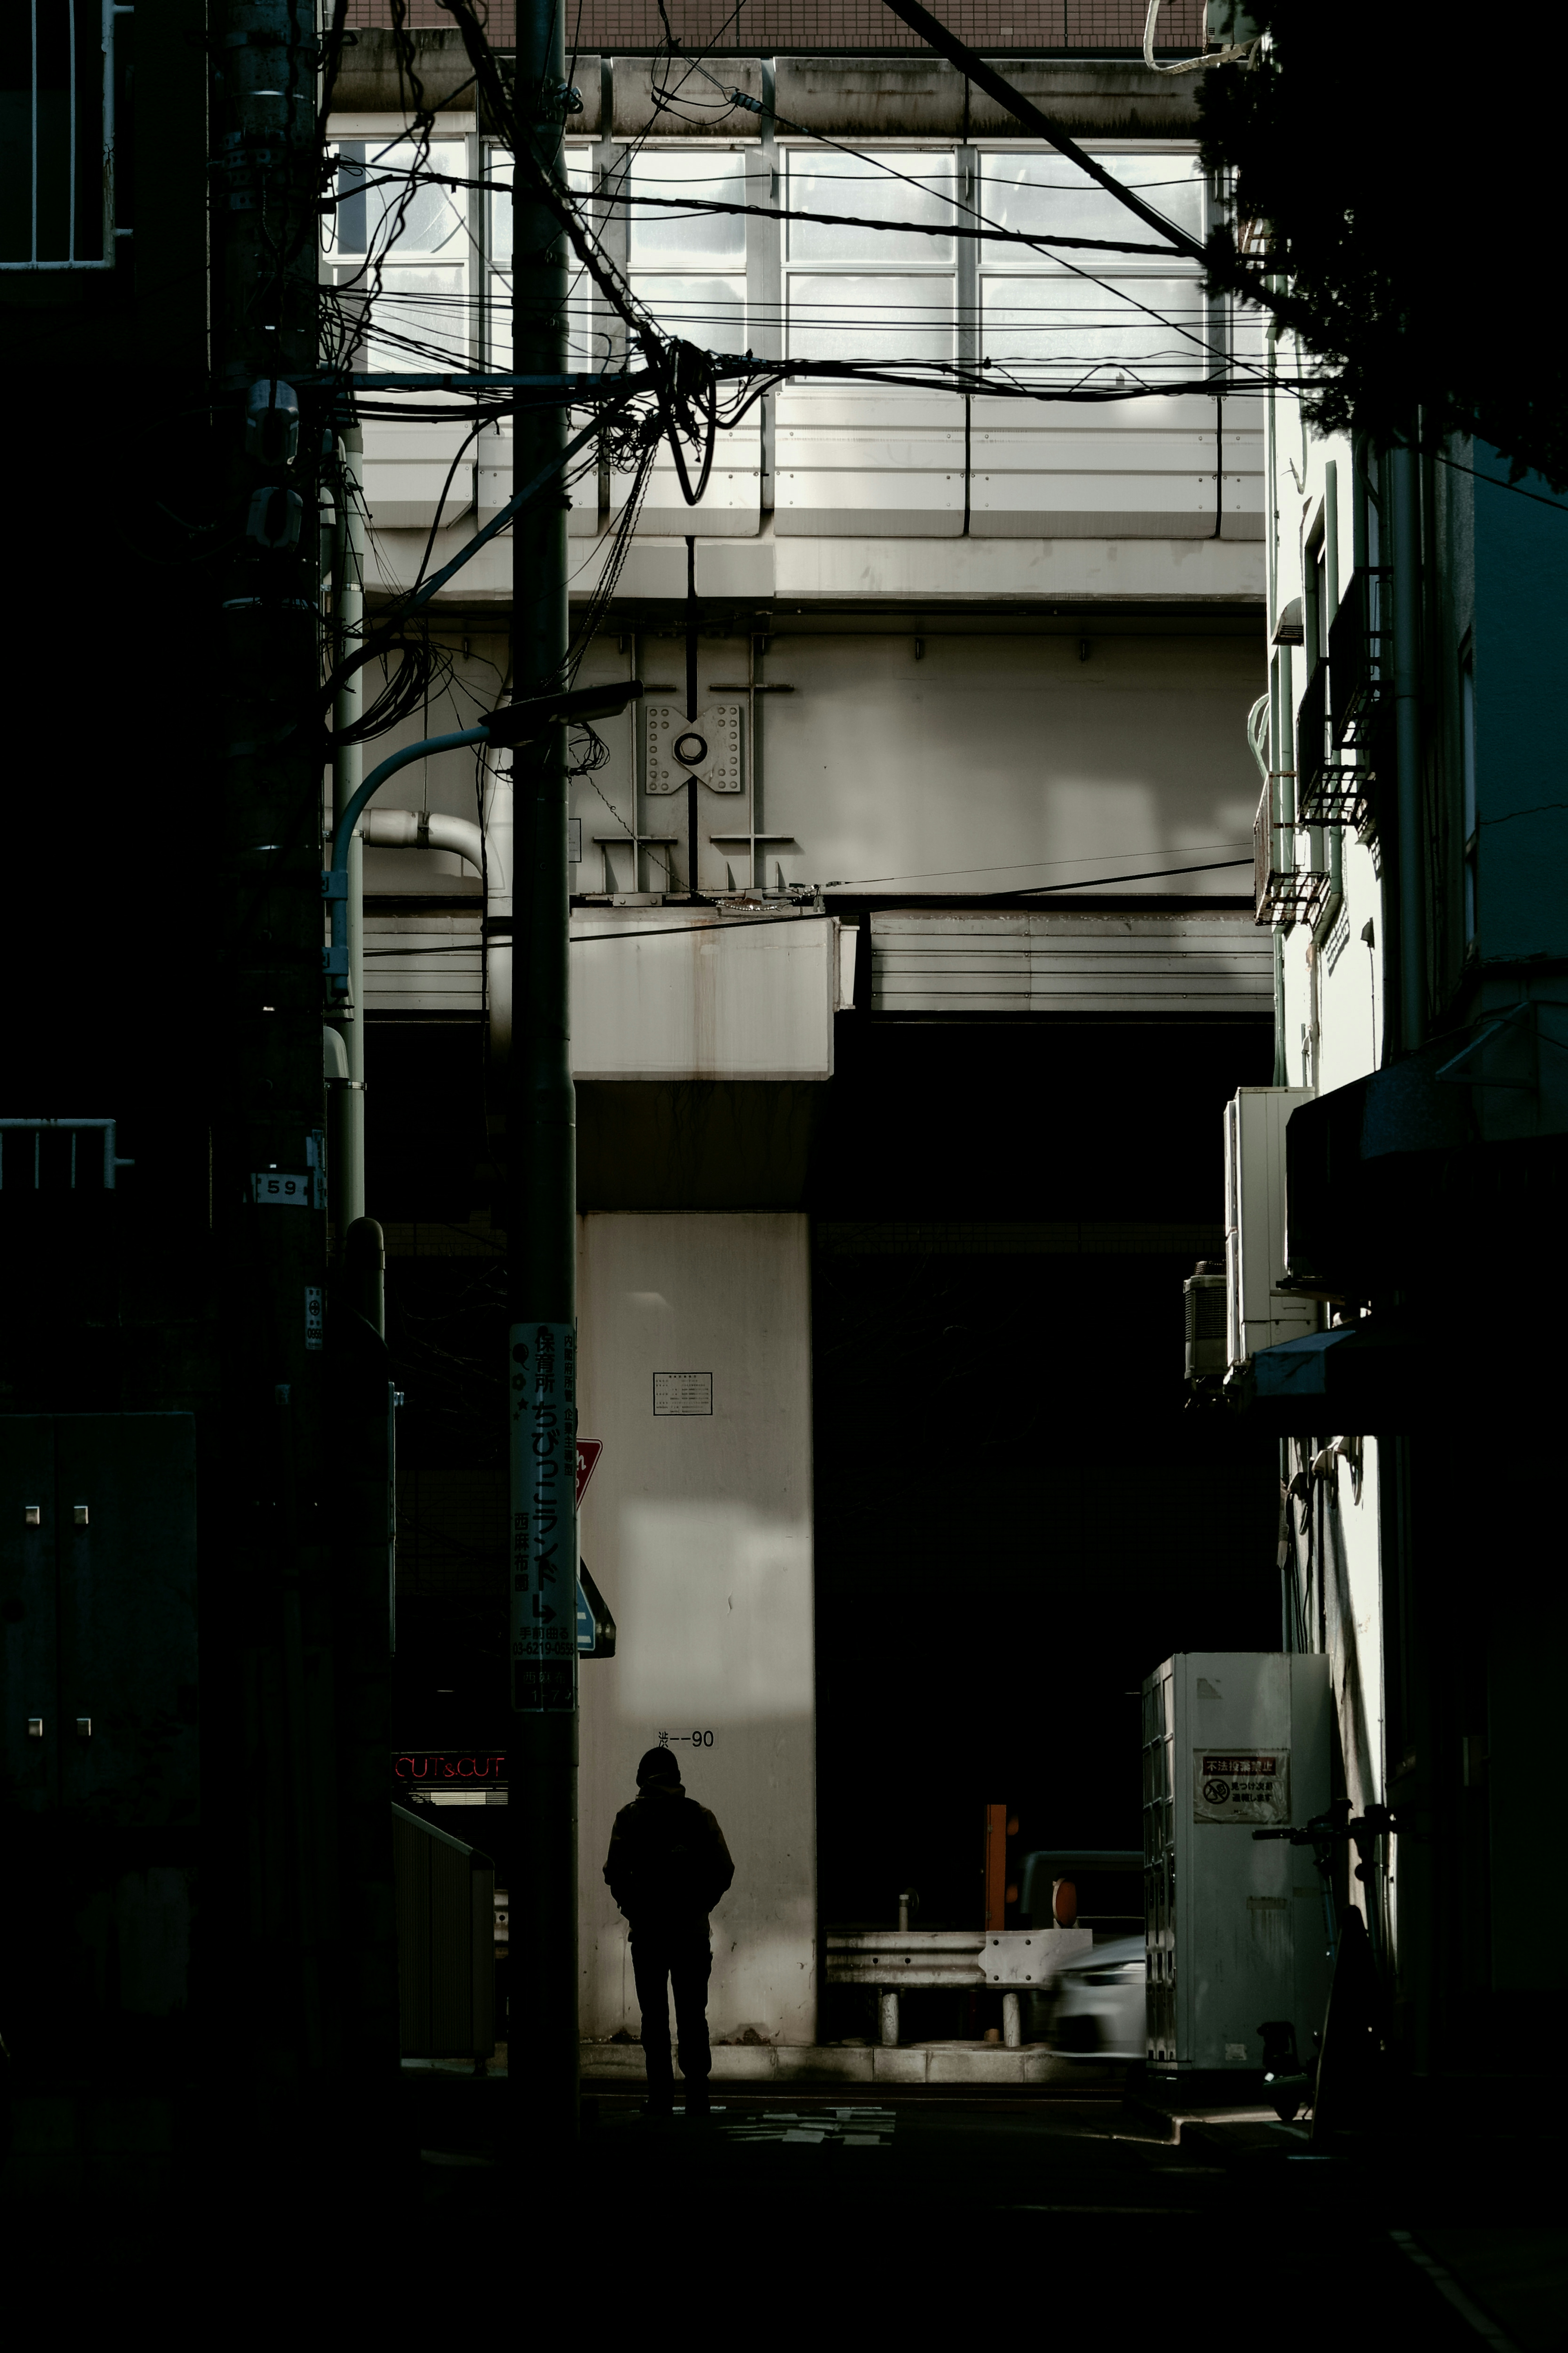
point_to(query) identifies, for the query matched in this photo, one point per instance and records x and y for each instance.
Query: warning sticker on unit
(1241, 1785)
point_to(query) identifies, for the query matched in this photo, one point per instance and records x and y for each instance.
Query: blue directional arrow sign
(596, 1627)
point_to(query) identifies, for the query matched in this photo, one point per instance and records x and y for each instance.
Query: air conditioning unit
(1259, 1314)
(1232, 1741)
(1203, 1314)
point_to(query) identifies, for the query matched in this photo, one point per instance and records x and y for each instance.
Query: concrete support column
(888, 2004)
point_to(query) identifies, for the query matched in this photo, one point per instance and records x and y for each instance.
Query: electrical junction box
(707, 747)
(1259, 1314)
(1234, 1741)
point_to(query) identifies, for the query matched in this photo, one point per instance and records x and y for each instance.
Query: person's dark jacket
(668, 1865)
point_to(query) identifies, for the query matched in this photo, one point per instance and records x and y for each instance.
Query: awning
(1381, 1376)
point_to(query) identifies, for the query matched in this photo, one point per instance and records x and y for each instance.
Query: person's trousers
(683, 1963)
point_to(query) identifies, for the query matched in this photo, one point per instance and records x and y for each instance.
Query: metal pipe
(1286, 806)
(1325, 922)
(500, 853)
(1336, 898)
(1410, 875)
(424, 750)
(364, 1272)
(489, 851)
(335, 882)
(423, 829)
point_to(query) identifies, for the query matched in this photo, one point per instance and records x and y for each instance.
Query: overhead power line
(684, 205)
(1219, 257)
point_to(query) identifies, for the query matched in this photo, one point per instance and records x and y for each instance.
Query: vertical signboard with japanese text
(545, 1518)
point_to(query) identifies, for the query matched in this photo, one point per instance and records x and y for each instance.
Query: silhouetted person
(667, 1868)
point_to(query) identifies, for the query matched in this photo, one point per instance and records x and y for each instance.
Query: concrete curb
(914, 2063)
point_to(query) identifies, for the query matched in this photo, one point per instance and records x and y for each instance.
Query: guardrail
(895, 1961)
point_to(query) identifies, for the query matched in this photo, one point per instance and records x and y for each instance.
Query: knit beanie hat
(659, 1765)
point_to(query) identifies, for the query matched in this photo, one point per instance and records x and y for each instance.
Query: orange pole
(995, 1867)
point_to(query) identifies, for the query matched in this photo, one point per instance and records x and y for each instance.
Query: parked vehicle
(1096, 2008)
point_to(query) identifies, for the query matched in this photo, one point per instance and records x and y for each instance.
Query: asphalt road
(920, 2213)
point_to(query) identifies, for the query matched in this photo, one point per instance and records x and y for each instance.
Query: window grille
(57, 93)
(58, 1154)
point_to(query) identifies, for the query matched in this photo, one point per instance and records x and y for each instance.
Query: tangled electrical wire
(686, 414)
(667, 393)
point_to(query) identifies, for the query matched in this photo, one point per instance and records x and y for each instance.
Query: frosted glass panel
(499, 174)
(848, 183)
(711, 311)
(380, 209)
(657, 238)
(419, 320)
(845, 317)
(1074, 327)
(1038, 194)
(1248, 337)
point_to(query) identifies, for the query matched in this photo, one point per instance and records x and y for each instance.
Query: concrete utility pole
(294, 1649)
(541, 1157)
(348, 767)
(269, 1127)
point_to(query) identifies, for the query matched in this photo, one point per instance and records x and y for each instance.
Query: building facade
(1408, 846)
(865, 1089)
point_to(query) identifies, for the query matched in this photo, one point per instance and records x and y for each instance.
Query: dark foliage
(1403, 178)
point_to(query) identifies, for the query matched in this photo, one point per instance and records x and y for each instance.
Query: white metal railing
(67, 220)
(33, 1162)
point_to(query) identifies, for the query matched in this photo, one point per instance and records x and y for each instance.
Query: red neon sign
(435, 1768)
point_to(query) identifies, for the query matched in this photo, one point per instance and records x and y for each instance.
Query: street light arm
(335, 880)
(513, 723)
(379, 775)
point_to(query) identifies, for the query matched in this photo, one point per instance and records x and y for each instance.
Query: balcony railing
(1330, 789)
(1361, 646)
(1282, 891)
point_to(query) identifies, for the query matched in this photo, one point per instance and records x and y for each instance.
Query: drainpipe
(497, 873)
(1285, 784)
(1407, 552)
(514, 723)
(1335, 899)
(1278, 690)
(489, 854)
(1271, 460)
(348, 1136)
(423, 829)
(1282, 847)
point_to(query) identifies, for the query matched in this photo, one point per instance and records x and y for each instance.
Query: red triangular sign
(589, 1452)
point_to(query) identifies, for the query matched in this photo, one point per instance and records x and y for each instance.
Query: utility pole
(268, 1666)
(294, 1525)
(348, 764)
(542, 1158)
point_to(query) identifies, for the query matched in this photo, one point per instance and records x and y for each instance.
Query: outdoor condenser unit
(1258, 1313)
(1203, 1297)
(1234, 1741)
